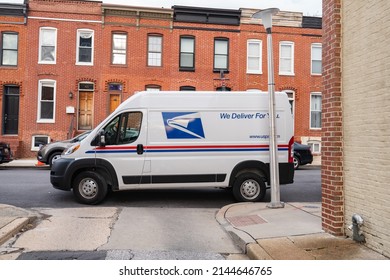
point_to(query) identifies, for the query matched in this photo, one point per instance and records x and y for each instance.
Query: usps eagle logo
(183, 125)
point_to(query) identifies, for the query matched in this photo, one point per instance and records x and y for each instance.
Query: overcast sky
(307, 7)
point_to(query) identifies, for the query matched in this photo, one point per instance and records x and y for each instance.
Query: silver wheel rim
(88, 188)
(250, 189)
(295, 162)
(55, 158)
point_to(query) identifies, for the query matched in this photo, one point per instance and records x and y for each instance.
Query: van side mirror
(102, 139)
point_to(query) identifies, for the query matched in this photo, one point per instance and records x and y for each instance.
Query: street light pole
(266, 18)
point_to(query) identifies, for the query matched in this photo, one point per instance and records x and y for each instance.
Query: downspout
(357, 223)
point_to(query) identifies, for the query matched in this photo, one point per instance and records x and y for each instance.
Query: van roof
(183, 100)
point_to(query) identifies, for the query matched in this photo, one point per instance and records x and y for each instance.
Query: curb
(12, 228)
(239, 237)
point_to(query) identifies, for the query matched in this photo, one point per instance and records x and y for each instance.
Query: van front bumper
(59, 176)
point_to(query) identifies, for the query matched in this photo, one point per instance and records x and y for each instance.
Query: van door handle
(140, 149)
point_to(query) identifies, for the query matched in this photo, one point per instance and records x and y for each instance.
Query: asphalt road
(31, 188)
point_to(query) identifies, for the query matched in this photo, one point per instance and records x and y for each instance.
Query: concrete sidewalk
(24, 163)
(290, 233)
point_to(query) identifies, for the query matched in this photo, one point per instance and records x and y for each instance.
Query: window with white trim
(154, 50)
(119, 43)
(315, 147)
(286, 58)
(38, 140)
(315, 110)
(254, 59)
(316, 59)
(47, 45)
(84, 52)
(9, 49)
(46, 101)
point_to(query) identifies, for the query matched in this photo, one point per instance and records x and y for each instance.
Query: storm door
(10, 110)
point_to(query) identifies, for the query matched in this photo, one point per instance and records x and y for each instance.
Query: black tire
(53, 157)
(297, 163)
(89, 188)
(249, 187)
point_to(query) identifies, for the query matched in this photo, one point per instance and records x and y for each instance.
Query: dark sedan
(302, 155)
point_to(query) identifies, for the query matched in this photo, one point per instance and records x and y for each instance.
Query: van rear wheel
(89, 187)
(249, 187)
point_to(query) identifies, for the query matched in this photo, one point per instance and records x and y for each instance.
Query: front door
(11, 110)
(115, 100)
(85, 110)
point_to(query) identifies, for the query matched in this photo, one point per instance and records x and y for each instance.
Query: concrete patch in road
(170, 229)
(72, 229)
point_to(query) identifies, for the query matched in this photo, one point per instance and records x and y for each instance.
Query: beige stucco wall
(366, 117)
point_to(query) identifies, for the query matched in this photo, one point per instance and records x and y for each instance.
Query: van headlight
(71, 149)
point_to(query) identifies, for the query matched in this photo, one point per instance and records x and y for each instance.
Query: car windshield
(81, 136)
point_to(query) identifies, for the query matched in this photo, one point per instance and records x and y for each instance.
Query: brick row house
(77, 60)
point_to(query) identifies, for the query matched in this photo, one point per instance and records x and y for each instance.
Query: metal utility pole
(266, 18)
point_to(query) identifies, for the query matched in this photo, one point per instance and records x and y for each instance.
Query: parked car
(50, 152)
(5, 153)
(302, 155)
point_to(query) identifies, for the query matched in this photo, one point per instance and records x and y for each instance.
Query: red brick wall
(10, 75)
(64, 72)
(332, 163)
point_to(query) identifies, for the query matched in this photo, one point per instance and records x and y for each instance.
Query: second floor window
(316, 59)
(84, 47)
(221, 54)
(286, 58)
(315, 110)
(154, 50)
(187, 53)
(47, 45)
(9, 49)
(119, 43)
(46, 100)
(254, 57)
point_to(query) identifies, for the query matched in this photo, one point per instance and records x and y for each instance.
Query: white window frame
(79, 31)
(41, 40)
(35, 148)
(258, 56)
(313, 59)
(289, 72)
(155, 56)
(119, 52)
(311, 110)
(53, 84)
(313, 144)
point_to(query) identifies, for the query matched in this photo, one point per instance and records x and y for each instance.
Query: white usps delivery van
(180, 139)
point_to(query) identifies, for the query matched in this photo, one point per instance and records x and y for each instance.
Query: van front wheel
(249, 187)
(89, 187)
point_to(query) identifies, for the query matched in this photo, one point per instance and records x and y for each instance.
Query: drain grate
(243, 221)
